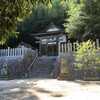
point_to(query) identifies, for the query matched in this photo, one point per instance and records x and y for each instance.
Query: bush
(87, 58)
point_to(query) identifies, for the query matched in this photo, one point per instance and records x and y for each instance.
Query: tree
(87, 58)
(41, 17)
(92, 10)
(13, 11)
(75, 21)
(83, 19)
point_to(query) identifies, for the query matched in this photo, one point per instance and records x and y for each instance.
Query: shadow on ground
(41, 90)
(87, 82)
(25, 90)
(19, 92)
(37, 89)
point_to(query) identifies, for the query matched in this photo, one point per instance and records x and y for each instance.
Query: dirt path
(49, 89)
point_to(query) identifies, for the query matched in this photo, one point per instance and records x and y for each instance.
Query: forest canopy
(13, 11)
(81, 18)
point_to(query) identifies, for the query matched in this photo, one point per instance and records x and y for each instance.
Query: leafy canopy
(83, 18)
(13, 11)
(42, 16)
(86, 55)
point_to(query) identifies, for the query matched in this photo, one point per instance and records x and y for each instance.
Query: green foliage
(74, 24)
(5, 37)
(83, 18)
(42, 16)
(10, 13)
(86, 55)
(92, 10)
(13, 11)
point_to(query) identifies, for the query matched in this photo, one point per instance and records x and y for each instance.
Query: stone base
(65, 76)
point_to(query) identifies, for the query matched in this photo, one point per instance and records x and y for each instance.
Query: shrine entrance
(49, 49)
(52, 50)
(49, 40)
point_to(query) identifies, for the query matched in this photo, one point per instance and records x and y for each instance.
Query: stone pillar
(97, 43)
(40, 43)
(59, 49)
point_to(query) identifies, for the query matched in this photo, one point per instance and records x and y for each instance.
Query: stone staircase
(43, 67)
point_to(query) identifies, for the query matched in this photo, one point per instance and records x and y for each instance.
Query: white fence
(13, 52)
(72, 47)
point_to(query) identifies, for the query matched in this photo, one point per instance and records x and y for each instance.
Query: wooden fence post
(8, 53)
(68, 46)
(97, 43)
(59, 49)
(65, 47)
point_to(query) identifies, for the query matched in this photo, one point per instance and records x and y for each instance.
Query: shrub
(86, 57)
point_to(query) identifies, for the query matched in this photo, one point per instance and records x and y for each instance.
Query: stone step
(3, 77)
(44, 67)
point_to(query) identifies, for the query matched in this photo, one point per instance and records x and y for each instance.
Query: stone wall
(66, 66)
(69, 70)
(16, 68)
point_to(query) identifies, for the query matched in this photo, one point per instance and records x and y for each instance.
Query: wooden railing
(72, 47)
(13, 52)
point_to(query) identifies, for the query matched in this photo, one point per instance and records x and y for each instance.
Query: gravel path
(49, 89)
